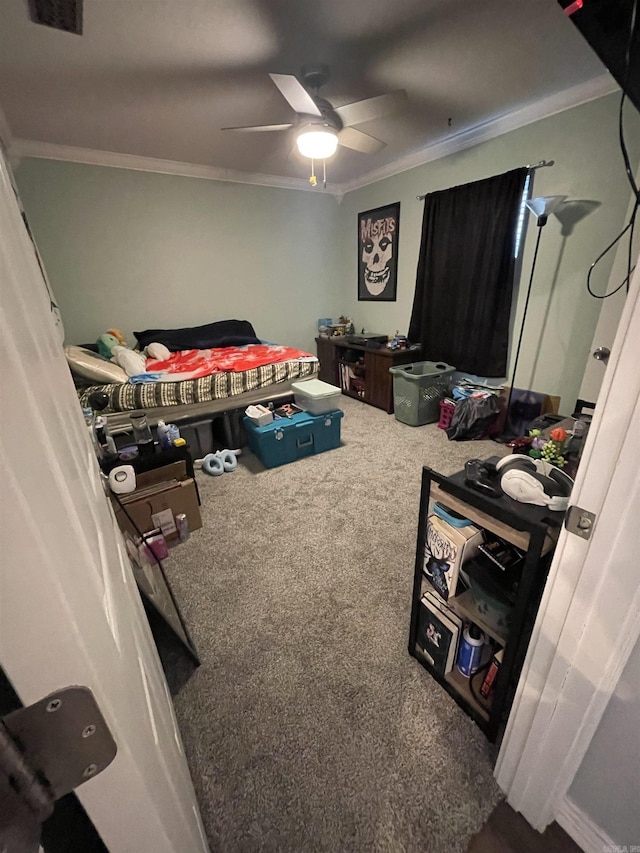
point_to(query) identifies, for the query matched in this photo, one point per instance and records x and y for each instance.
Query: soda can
(182, 524)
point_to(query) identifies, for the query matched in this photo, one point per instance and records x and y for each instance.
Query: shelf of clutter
(480, 569)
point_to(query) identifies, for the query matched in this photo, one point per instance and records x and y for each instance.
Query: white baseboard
(584, 831)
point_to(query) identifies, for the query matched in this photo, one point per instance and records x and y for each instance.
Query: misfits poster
(378, 253)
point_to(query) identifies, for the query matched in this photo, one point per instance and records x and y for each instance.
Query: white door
(589, 617)
(70, 612)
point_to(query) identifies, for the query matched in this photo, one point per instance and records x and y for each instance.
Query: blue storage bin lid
(299, 419)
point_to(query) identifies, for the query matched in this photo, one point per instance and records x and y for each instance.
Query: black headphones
(534, 481)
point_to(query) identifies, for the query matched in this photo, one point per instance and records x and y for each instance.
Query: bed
(196, 382)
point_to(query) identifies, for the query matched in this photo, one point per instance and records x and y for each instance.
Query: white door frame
(589, 616)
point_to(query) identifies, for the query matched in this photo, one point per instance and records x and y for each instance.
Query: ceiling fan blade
(258, 128)
(295, 93)
(349, 137)
(371, 108)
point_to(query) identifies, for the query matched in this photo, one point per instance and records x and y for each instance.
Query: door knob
(602, 354)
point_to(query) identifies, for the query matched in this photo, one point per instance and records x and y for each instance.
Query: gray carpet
(308, 726)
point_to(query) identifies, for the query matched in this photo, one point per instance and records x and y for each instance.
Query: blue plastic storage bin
(288, 439)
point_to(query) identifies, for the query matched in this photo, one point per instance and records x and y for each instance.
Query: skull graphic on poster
(377, 252)
(378, 237)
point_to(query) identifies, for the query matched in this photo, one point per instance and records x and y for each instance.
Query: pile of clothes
(476, 408)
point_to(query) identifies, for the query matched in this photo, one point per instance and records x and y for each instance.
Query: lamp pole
(542, 207)
(524, 317)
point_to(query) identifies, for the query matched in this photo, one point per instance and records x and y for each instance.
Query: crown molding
(582, 93)
(113, 159)
(590, 90)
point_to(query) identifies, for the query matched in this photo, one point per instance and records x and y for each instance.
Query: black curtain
(465, 272)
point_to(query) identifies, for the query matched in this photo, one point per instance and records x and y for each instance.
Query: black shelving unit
(532, 529)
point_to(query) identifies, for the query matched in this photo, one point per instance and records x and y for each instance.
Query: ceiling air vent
(63, 15)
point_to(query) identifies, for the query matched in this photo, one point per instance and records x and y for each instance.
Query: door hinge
(46, 750)
(580, 521)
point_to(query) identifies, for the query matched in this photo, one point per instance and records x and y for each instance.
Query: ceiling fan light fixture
(317, 144)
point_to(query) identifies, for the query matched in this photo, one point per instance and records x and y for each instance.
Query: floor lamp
(542, 208)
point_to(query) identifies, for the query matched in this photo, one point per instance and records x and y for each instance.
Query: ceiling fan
(321, 127)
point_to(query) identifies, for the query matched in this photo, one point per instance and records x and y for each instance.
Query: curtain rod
(530, 167)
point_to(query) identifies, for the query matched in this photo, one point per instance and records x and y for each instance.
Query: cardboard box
(545, 404)
(163, 488)
(162, 474)
(446, 548)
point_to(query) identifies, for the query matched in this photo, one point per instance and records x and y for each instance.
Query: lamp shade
(543, 206)
(317, 144)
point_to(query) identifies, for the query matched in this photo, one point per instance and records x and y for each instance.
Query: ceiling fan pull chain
(313, 180)
(324, 176)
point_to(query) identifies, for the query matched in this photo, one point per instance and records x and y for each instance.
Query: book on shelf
(347, 374)
(444, 608)
(288, 410)
(438, 634)
(446, 548)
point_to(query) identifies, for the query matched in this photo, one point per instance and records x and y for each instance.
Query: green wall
(588, 169)
(137, 250)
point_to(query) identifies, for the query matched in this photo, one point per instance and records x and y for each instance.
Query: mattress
(127, 397)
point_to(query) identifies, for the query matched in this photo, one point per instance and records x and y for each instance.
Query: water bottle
(142, 434)
(163, 435)
(470, 651)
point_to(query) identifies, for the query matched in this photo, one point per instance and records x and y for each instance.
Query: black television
(605, 24)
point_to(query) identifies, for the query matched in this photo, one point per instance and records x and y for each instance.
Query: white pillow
(132, 362)
(92, 366)
(158, 351)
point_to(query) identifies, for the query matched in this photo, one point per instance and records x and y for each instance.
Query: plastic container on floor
(288, 439)
(418, 389)
(199, 437)
(316, 396)
(447, 408)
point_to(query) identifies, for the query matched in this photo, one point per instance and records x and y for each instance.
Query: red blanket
(196, 363)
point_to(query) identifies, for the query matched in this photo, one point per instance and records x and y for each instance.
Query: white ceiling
(159, 78)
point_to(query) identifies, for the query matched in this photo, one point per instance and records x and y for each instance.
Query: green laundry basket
(418, 389)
